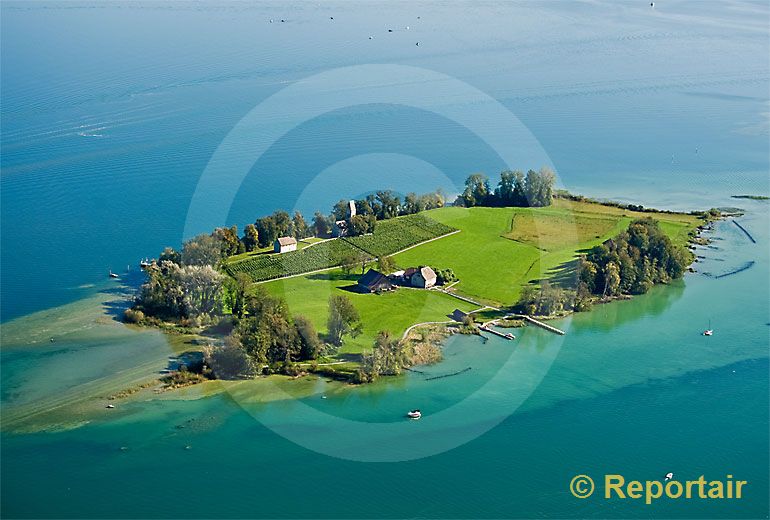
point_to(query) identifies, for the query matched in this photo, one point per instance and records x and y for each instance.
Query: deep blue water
(111, 111)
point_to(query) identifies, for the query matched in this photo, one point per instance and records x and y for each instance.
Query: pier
(508, 335)
(543, 325)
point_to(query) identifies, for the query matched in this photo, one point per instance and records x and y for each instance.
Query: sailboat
(709, 331)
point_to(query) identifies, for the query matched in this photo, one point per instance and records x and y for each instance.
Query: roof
(373, 279)
(427, 273)
(458, 315)
(287, 241)
(410, 271)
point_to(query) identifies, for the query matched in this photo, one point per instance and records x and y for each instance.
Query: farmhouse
(285, 244)
(340, 228)
(374, 281)
(424, 277)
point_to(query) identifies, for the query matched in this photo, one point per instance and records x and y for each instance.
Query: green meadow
(497, 252)
(391, 311)
(501, 250)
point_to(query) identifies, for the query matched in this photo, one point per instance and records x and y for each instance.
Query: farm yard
(394, 311)
(389, 237)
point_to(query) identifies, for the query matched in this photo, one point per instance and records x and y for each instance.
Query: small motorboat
(669, 476)
(414, 414)
(709, 331)
(110, 406)
(113, 275)
(145, 263)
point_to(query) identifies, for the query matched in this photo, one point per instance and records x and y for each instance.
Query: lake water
(111, 112)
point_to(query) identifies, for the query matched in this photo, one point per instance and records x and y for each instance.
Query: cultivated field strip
(390, 236)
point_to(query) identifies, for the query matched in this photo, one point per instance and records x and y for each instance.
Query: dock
(508, 335)
(543, 325)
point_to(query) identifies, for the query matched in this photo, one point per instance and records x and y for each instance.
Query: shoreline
(47, 417)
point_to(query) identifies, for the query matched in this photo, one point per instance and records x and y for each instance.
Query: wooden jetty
(543, 325)
(497, 332)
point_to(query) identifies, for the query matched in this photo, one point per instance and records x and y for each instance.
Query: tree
(343, 319)
(236, 289)
(230, 362)
(202, 288)
(201, 250)
(538, 187)
(510, 190)
(322, 227)
(611, 279)
(385, 264)
(299, 226)
(310, 344)
(341, 210)
(587, 273)
(250, 237)
(386, 358)
(476, 191)
(267, 333)
(411, 204)
(389, 204)
(229, 243)
(171, 255)
(350, 261)
(360, 224)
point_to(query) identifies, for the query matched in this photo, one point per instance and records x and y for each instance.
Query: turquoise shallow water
(110, 113)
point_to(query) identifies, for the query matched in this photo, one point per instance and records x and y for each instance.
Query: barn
(285, 244)
(424, 277)
(374, 281)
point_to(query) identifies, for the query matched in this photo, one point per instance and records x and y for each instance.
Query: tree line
(535, 189)
(629, 263)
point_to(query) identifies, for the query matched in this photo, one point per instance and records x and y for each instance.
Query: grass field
(393, 311)
(497, 252)
(500, 250)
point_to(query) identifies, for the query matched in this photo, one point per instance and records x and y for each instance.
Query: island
(376, 286)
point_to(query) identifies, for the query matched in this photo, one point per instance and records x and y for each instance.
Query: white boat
(110, 406)
(113, 275)
(145, 263)
(414, 414)
(709, 331)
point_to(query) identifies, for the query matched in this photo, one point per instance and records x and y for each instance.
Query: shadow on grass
(334, 276)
